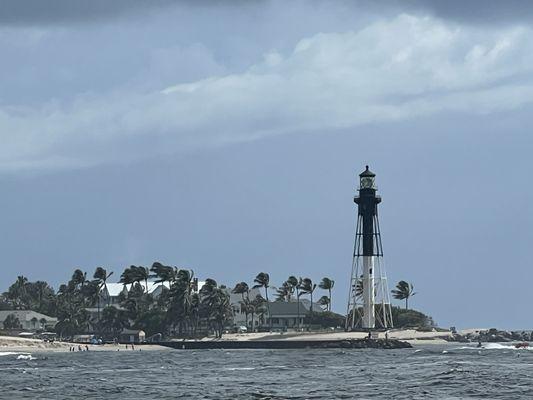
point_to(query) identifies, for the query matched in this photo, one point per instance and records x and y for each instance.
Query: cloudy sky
(227, 137)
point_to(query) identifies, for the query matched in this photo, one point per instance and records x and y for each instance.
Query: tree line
(179, 309)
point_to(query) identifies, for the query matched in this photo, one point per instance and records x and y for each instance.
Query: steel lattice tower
(369, 304)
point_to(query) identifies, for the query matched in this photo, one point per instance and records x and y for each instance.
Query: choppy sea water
(443, 372)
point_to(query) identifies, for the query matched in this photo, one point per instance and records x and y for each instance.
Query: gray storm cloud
(78, 11)
(391, 69)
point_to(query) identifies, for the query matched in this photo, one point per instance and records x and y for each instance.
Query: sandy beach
(15, 344)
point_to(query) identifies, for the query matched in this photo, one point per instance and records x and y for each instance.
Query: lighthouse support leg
(369, 311)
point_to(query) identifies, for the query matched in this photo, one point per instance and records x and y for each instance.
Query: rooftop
(25, 315)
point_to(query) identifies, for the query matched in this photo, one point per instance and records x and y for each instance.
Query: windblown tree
(292, 283)
(101, 276)
(135, 274)
(114, 321)
(37, 296)
(79, 278)
(403, 291)
(181, 301)
(308, 287)
(17, 293)
(243, 289)
(327, 284)
(129, 277)
(257, 307)
(163, 273)
(71, 304)
(142, 274)
(216, 304)
(283, 293)
(299, 292)
(262, 280)
(324, 301)
(41, 297)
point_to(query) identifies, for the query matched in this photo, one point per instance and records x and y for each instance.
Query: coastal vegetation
(180, 308)
(403, 291)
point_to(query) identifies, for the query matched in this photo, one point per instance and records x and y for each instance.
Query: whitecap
(26, 357)
(240, 369)
(7, 353)
(498, 346)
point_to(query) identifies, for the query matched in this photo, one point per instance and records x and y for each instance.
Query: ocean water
(443, 372)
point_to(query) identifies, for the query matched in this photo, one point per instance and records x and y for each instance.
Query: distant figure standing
(132, 347)
(386, 335)
(86, 348)
(369, 335)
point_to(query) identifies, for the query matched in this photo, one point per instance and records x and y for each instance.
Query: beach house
(26, 320)
(285, 314)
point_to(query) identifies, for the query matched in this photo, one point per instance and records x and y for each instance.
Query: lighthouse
(369, 301)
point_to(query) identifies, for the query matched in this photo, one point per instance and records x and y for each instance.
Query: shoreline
(12, 344)
(413, 337)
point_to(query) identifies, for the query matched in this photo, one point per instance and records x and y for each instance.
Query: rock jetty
(289, 344)
(492, 335)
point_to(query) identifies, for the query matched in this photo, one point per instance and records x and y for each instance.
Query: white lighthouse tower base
(369, 309)
(369, 305)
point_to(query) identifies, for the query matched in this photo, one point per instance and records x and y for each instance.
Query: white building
(239, 317)
(29, 320)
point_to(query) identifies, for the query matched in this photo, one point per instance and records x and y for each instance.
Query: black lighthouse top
(367, 202)
(367, 172)
(367, 179)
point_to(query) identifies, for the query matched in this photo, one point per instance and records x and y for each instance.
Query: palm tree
(403, 291)
(114, 320)
(283, 293)
(308, 287)
(217, 304)
(79, 277)
(128, 276)
(18, 292)
(327, 284)
(324, 301)
(242, 288)
(255, 306)
(359, 287)
(262, 280)
(141, 274)
(299, 292)
(101, 276)
(292, 283)
(163, 273)
(41, 288)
